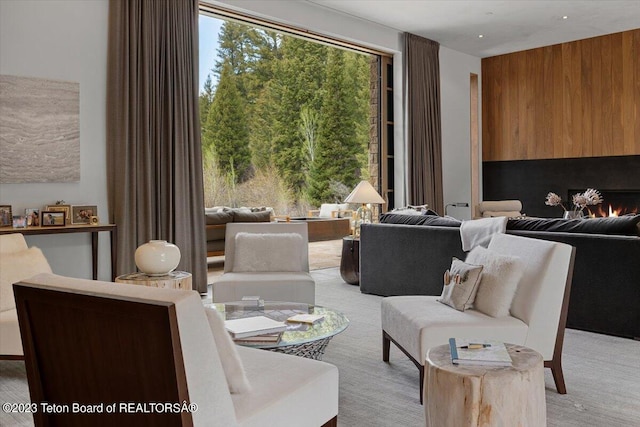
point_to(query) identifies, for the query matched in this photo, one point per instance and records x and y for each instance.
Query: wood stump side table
(470, 396)
(173, 280)
(350, 260)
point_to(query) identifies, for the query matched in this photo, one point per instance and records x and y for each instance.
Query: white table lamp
(365, 194)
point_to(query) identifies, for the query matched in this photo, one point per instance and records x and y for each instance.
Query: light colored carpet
(602, 372)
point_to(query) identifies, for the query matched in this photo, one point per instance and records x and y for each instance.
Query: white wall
(455, 70)
(64, 40)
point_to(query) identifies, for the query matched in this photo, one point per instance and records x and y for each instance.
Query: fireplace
(614, 202)
(530, 181)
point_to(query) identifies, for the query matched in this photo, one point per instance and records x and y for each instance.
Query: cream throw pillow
(231, 362)
(500, 277)
(268, 252)
(460, 285)
(17, 266)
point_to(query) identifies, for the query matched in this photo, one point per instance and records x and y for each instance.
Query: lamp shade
(364, 193)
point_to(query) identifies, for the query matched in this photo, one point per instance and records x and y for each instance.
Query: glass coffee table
(300, 339)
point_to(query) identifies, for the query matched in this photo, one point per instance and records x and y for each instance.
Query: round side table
(470, 396)
(350, 260)
(173, 280)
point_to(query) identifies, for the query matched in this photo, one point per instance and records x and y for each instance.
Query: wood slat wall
(577, 99)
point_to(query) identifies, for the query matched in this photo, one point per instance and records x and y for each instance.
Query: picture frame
(53, 219)
(81, 214)
(61, 208)
(19, 221)
(33, 217)
(6, 217)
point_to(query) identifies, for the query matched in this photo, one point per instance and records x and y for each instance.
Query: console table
(77, 228)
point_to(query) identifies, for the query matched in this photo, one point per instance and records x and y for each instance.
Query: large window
(287, 122)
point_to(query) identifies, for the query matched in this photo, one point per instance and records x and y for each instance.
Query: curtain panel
(154, 160)
(424, 136)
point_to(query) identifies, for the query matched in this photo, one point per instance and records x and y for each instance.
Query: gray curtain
(153, 131)
(422, 73)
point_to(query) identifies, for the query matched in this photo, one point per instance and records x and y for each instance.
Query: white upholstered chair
(268, 260)
(537, 317)
(120, 344)
(17, 262)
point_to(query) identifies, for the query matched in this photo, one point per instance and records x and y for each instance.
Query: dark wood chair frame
(555, 364)
(93, 350)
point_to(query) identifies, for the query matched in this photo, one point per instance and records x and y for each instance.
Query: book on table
(251, 326)
(306, 318)
(260, 339)
(479, 352)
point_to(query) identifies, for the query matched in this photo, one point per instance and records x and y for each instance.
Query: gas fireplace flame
(613, 212)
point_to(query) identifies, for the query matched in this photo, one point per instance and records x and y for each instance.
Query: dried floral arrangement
(580, 201)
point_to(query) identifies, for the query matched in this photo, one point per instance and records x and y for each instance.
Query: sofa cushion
(392, 218)
(327, 209)
(231, 362)
(460, 285)
(243, 216)
(17, 266)
(217, 217)
(499, 282)
(264, 252)
(622, 225)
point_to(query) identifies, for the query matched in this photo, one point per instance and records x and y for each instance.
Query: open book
(479, 352)
(250, 326)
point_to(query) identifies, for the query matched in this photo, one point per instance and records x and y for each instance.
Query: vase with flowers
(580, 201)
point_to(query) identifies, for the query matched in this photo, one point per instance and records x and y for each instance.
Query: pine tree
(338, 144)
(226, 128)
(296, 84)
(206, 98)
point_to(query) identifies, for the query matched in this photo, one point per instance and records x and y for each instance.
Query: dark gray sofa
(399, 259)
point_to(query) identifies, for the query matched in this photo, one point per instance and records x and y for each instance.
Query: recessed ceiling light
(480, 36)
(565, 17)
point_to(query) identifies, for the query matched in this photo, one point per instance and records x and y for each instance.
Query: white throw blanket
(479, 231)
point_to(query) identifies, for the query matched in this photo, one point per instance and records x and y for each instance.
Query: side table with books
(487, 394)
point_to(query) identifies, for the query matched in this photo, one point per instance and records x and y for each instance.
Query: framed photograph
(61, 208)
(81, 214)
(19, 221)
(6, 218)
(33, 217)
(53, 219)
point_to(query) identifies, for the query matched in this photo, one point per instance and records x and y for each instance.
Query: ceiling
(506, 26)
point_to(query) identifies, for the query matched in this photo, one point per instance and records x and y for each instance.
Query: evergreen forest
(287, 123)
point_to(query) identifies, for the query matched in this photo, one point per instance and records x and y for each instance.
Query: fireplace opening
(614, 203)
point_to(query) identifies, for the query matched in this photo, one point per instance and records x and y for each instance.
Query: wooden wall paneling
(509, 149)
(558, 102)
(576, 99)
(547, 96)
(628, 61)
(607, 100)
(586, 90)
(617, 90)
(596, 97)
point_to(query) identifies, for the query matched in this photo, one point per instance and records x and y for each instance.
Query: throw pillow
(231, 362)
(460, 285)
(264, 252)
(248, 216)
(17, 266)
(500, 277)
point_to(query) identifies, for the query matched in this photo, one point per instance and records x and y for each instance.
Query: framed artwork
(6, 218)
(19, 221)
(81, 214)
(33, 217)
(53, 219)
(62, 208)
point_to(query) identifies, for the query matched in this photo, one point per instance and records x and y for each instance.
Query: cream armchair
(509, 208)
(268, 260)
(17, 262)
(537, 319)
(133, 346)
(332, 210)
